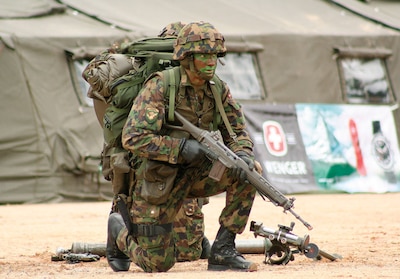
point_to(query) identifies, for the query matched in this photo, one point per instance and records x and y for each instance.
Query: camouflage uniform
(100, 74)
(189, 222)
(146, 136)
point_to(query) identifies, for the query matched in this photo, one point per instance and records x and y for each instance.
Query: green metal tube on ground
(244, 246)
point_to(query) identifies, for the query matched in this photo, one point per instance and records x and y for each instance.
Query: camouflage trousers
(188, 231)
(157, 253)
(188, 227)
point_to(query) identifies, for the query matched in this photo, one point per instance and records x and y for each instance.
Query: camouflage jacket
(144, 132)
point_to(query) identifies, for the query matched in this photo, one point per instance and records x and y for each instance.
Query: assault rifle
(225, 157)
(70, 257)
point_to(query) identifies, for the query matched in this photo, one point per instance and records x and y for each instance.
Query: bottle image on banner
(356, 145)
(382, 152)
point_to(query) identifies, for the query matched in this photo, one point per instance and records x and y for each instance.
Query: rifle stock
(216, 148)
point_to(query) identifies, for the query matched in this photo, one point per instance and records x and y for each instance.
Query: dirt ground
(363, 228)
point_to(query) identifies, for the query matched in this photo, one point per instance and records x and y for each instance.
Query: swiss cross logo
(274, 138)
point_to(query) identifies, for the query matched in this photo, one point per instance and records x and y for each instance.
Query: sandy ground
(363, 228)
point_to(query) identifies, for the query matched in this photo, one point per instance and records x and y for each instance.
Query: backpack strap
(171, 79)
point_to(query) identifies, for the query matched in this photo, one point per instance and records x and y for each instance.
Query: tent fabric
(50, 143)
(297, 36)
(383, 12)
(232, 17)
(28, 8)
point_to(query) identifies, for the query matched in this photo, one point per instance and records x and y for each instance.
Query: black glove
(238, 173)
(191, 150)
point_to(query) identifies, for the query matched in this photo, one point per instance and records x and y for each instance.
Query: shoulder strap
(171, 79)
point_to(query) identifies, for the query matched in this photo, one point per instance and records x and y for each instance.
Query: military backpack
(150, 55)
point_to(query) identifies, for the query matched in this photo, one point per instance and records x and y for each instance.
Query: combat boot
(116, 259)
(206, 248)
(225, 256)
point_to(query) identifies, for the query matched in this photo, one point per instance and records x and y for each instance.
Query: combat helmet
(198, 37)
(172, 29)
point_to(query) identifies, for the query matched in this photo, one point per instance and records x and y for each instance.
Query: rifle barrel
(230, 159)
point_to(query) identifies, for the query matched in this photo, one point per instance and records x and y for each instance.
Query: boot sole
(217, 267)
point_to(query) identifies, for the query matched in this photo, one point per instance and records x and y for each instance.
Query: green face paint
(206, 64)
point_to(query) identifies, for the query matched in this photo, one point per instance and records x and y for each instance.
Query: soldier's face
(205, 64)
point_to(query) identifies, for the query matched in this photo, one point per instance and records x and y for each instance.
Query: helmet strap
(193, 68)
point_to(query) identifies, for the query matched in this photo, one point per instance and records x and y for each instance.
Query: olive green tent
(299, 37)
(51, 142)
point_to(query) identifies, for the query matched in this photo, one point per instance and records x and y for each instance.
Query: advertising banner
(279, 147)
(352, 148)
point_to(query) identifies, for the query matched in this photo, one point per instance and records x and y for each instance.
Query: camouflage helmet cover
(198, 37)
(172, 29)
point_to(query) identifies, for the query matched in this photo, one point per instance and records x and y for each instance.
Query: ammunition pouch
(158, 181)
(159, 177)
